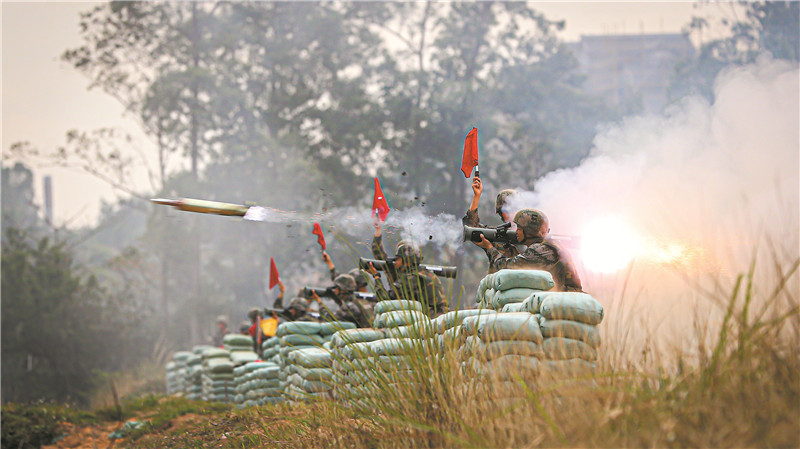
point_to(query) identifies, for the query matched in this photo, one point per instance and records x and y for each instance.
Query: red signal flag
(273, 273)
(320, 237)
(379, 204)
(470, 158)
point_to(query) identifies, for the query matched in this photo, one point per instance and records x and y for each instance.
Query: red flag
(379, 204)
(273, 273)
(470, 158)
(320, 238)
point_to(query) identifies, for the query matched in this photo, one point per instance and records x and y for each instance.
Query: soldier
(244, 328)
(471, 217)
(411, 282)
(297, 310)
(361, 280)
(254, 315)
(278, 303)
(222, 330)
(542, 253)
(354, 310)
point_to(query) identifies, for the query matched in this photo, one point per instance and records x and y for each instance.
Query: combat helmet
(222, 319)
(533, 222)
(298, 304)
(358, 276)
(253, 313)
(408, 253)
(345, 282)
(244, 327)
(502, 200)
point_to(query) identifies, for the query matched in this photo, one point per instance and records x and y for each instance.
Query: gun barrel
(441, 271)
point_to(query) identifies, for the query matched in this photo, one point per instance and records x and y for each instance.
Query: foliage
(769, 27)
(34, 425)
(59, 325)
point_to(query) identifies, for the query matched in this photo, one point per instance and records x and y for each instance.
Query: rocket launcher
(388, 264)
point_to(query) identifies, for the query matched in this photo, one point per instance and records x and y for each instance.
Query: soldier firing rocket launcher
(501, 233)
(388, 264)
(327, 292)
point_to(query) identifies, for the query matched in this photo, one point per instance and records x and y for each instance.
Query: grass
(739, 388)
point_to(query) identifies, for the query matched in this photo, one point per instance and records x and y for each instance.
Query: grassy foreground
(744, 391)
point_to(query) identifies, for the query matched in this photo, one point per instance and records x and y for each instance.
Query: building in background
(631, 70)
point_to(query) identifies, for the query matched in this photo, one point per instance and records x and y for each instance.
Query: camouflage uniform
(415, 284)
(542, 253)
(380, 254)
(300, 306)
(472, 220)
(352, 309)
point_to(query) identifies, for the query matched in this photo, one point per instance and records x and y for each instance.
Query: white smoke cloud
(713, 180)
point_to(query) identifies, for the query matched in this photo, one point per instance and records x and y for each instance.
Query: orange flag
(320, 237)
(273, 273)
(470, 158)
(379, 204)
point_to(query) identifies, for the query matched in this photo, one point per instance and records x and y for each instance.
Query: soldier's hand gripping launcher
(499, 234)
(388, 264)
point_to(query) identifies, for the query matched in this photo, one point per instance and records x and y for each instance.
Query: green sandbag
(318, 374)
(469, 326)
(237, 340)
(535, 279)
(571, 306)
(214, 353)
(513, 307)
(557, 348)
(200, 349)
(267, 373)
(509, 367)
(270, 342)
(311, 358)
(242, 357)
(412, 331)
(194, 360)
(455, 317)
(181, 356)
(297, 327)
(508, 296)
(301, 340)
(358, 350)
(172, 366)
(394, 362)
(397, 346)
(342, 338)
(210, 377)
(254, 366)
(586, 333)
(331, 327)
(400, 318)
(219, 384)
(309, 386)
(219, 365)
(285, 351)
(496, 349)
(271, 352)
(510, 326)
(531, 303)
(397, 304)
(560, 368)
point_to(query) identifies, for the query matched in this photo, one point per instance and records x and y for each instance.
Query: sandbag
(271, 372)
(397, 346)
(531, 303)
(270, 353)
(509, 367)
(586, 333)
(507, 326)
(311, 358)
(400, 318)
(397, 304)
(242, 357)
(219, 365)
(237, 340)
(297, 327)
(345, 337)
(558, 348)
(470, 324)
(270, 342)
(319, 374)
(395, 362)
(571, 306)
(331, 327)
(417, 330)
(513, 307)
(507, 296)
(199, 349)
(534, 279)
(455, 317)
(181, 356)
(301, 340)
(309, 386)
(358, 350)
(497, 349)
(213, 353)
(286, 350)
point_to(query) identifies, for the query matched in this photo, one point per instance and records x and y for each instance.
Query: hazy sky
(43, 98)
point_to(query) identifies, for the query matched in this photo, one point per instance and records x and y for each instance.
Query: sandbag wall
(217, 375)
(257, 383)
(240, 347)
(172, 377)
(178, 371)
(192, 380)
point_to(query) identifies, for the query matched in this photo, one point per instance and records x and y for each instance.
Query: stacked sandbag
(504, 347)
(348, 349)
(294, 335)
(257, 383)
(311, 374)
(192, 380)
(180, 358)
(217, 375)
(270, 349)
(172, 377)
(448, 326)
(237, 342)
(568, 322)
(505, 287)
